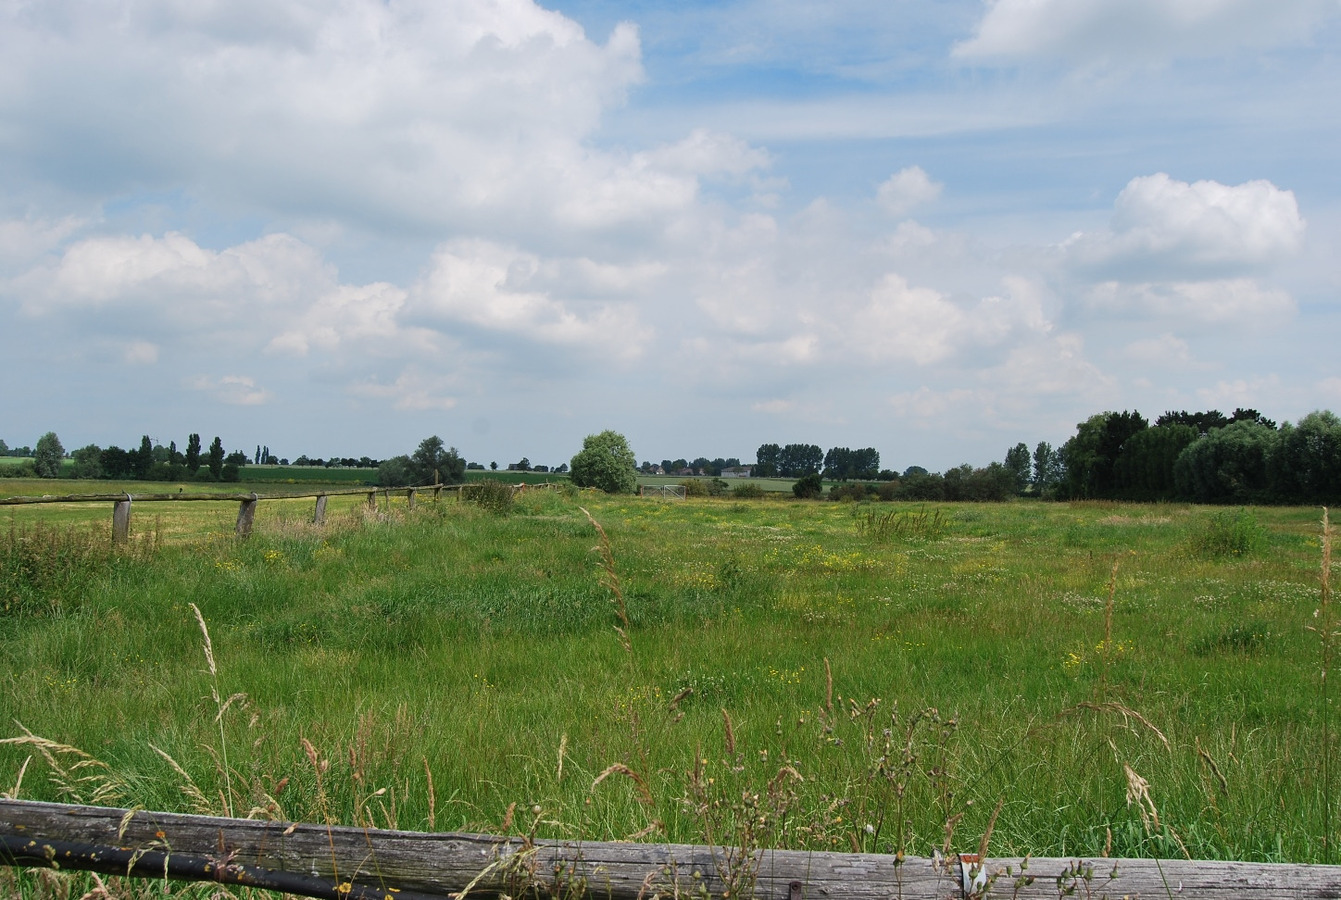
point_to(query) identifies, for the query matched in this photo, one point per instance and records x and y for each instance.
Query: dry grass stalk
(610, 580)
(86, 780)
(730, 734)
(193, 793)
(432, 797)
(220, 706)
(644, 792)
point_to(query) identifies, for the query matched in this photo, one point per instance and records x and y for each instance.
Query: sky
(934, 227)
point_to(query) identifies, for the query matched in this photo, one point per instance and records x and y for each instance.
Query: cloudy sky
(934, 227)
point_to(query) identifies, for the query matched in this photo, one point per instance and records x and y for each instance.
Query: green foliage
(747, 491)
(1230, 533)
(215, 459)
(47, 456)
(809, 487)
(605, 462)
(693, 487)
(1305, 465)
(87, 462)
(1018, 464)
(491, 494)
(1227, 465)
(431, 463)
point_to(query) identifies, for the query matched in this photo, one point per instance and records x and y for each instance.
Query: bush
(1230, 534)
(491, 494)
(848, 493)
(747, 492)
(716, 487)
(694, 488)
(809, 487)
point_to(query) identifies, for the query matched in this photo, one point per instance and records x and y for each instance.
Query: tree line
(149, 461)
(1203, 457)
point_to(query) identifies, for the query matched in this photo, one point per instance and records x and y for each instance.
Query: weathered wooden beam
(319, 515)
(448, 863)
(246, 515)
(121, 520)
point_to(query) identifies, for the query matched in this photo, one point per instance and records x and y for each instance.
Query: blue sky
(935, 228)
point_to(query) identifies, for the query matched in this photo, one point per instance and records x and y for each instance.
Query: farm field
(1136, 679)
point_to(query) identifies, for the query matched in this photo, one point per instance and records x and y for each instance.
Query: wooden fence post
(121, 521)
(245, 514)
(372, 501)
(409, 496)
(319, 516)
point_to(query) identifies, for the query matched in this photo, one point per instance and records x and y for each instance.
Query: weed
(491, 494)
(1230, 534)
(895, 525)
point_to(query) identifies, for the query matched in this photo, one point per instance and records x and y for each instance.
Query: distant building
(738, 472)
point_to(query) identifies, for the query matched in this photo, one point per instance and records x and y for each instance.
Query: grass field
(847, 676)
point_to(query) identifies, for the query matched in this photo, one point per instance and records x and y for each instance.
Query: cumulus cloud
(906, 189)
(921, 325)
(1101, 32)
(488, 287)
(419, 113)
(1163, 224)
(1223, 300)
(175, 278)
(1164, 351)
(236, 390)
(412, 391)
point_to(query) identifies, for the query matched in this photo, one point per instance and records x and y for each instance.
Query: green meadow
(1136, 680)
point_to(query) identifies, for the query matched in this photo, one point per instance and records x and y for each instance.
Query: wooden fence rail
(348, 862)
(121, 503)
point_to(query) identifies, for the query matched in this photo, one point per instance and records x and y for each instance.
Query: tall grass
(438, 667)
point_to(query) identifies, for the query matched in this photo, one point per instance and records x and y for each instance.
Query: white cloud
(1165, 351)
(23, 241)
(1106, 32)
(1204, 227)
(419, 113)
(349, 313)
(1248, 393)
(705, 152)
(1231, 300)
(907, 189)
(921, 325)
(235, 390)
(140, 353)
(176, 277)
(412, 391)
(489, 287)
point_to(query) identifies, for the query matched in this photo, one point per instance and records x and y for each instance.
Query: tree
(1306, 464)
(767, 460)
(432, 463)
(1227, 465)
(1017, 463)
(215, 460)
(1144, 468)
(87, 462)
(606, 462)
(1048, 469)
(143, 458)
(798, 460)
(48, 455)
(193, 453)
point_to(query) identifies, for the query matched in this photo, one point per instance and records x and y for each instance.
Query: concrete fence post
(319, 515)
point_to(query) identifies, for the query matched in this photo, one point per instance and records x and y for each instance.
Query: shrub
(694, 488)
(747, 492)
(848, 493)
(491, 494)
(1229, 533)
(809, 487)
(716, 487)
